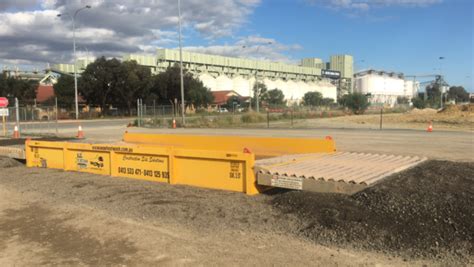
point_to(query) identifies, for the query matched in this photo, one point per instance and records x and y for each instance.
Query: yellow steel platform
(223, 162)
(217, 162)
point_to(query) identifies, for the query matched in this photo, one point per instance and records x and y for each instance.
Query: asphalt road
(449, 145)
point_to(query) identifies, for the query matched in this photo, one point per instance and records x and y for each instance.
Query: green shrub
(418, 103)
(253, 118)
(356, 102)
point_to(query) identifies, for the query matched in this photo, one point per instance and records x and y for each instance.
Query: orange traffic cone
(16, 133)
(430, 127)
(174, 124)
(80, 133)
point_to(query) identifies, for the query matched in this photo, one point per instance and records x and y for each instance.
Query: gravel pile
(9, 162)
(427, 211)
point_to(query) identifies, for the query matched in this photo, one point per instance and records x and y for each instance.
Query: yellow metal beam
(261, 146)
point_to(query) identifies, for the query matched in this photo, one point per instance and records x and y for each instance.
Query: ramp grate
(344, 171)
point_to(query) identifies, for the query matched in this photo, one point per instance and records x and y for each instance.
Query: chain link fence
(41, 119)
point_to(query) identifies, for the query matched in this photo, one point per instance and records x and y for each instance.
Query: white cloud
(110, 28)
(256, 47)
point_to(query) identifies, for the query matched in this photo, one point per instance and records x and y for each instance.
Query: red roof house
(44, 93)
(221, 97)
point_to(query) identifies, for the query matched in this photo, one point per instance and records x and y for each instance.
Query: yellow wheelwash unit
(235, 163)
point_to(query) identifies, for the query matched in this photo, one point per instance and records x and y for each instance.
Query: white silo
(301, 89)
(224, 83)
(328, 90)
(292, 89)
(270, 84)
(251, 82)
(241, 85)
(208, 81)
(312, 87)
(283, 86)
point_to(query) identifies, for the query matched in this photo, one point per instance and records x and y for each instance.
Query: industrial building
(384, 87)
(221, 73)
(343, 65)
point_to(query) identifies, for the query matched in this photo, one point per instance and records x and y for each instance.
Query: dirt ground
(423, 216)
(451, 118)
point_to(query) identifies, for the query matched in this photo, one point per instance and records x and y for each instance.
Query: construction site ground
(453, 118)
(423, 216)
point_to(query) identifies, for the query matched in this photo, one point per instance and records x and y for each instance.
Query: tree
(356, 102)
(3, 84)
(64, 90)
(401, 100)
(327, 101)
(313, 99)
(232, 102)
(433, 94)
(167, 87)
(274, 97)
(418, 102)
(100, 81)
(133, 82)
(458, 94)
(261, 90)
(23, 89)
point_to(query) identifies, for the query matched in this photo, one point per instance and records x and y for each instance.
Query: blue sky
(395, 38)
(405, 36)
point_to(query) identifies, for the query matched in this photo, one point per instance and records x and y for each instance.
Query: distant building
(384, 87)
(345, 65)
(313, 63)
(220, 73)
(221, 97)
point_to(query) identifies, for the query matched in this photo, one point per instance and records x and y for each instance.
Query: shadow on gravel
(10, 163)
(21, 141)
(70, 246)
(427, 211)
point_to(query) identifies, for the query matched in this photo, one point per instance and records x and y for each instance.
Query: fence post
(56, 104)
(48, 122)
(291, 118)
(17, 111)
(138, 112)
(268, 119)
(381, 115)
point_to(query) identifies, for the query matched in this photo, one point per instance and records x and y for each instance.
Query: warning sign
(287, 182)
(4, 112)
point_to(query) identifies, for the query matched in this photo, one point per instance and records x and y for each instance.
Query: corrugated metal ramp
(340, 172)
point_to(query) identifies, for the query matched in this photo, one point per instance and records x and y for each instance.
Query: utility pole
(257, 90)
(442, 81)
(73, 19)
(181, 64)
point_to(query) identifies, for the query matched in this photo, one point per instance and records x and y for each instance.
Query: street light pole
(442, 79)
(181, 64)
(256, 79)
(73, 18)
